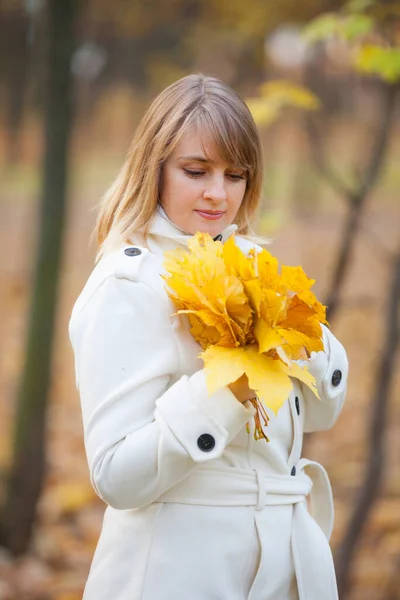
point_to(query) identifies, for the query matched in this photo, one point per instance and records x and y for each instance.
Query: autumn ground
(307, 233)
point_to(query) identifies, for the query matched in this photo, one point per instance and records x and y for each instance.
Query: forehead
(193, 143)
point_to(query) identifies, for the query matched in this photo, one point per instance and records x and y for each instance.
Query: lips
(210, 214)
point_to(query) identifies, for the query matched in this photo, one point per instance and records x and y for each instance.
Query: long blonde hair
(213, 108)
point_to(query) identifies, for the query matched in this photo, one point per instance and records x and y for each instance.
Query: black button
(218, 238)
(206, 442)
(132, 251)
(293, 471)
(297, 403)
(336, 377)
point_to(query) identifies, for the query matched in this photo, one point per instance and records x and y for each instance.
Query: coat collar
(162, 226)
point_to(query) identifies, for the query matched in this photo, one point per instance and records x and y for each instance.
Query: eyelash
(197, 174)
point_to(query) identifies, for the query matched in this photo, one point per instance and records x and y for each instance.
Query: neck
(162, 212)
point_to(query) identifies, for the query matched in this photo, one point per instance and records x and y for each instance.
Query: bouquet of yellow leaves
(249, 318)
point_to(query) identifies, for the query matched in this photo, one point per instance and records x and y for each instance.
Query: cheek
(187, 188)
(237, 195)
(179, 190)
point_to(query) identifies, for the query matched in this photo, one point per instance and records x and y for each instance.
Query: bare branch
(357, 198)
(380, 146)
(321, 162)
(377, 244)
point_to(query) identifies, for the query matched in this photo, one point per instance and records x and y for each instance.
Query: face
(200, 193)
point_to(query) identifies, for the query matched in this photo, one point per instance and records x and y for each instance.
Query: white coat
(197, 509)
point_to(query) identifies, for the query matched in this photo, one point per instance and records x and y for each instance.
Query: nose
(215, 189)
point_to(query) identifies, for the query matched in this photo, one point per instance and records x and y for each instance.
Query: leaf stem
(260, 414)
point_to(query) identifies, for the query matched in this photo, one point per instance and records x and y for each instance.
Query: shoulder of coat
(123, 263)
(129, 261)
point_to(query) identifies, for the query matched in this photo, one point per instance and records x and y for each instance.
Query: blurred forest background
(322, 79)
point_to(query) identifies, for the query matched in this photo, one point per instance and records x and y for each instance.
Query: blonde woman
(197, 509)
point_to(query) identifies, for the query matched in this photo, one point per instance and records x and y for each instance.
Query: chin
(212, 227)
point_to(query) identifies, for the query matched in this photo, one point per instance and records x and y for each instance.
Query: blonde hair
(213, 108)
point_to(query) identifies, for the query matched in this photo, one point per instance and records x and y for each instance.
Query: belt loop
(261, 491)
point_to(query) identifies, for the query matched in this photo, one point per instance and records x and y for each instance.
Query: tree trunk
(375, 463)
(27, 472)
(343, 259)
(17, 83)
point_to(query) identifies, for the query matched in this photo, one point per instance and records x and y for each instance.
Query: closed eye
(194, 174)
(235, 177)
(197, 174)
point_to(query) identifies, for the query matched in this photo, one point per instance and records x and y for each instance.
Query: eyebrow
(201, 159)
(204, 160)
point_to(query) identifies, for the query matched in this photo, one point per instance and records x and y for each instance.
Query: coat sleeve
(141, 424)
(330, 368)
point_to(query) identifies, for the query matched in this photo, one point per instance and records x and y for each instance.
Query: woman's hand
(241, 389)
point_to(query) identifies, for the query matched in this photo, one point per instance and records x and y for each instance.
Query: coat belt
(312, 525)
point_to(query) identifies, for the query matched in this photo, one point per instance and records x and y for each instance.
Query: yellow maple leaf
(267, 267)
(266, 336)
(269, 378)
(237, 263)
(303, 374)
(204, 334)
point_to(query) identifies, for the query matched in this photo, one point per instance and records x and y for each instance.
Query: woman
(196, 507)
